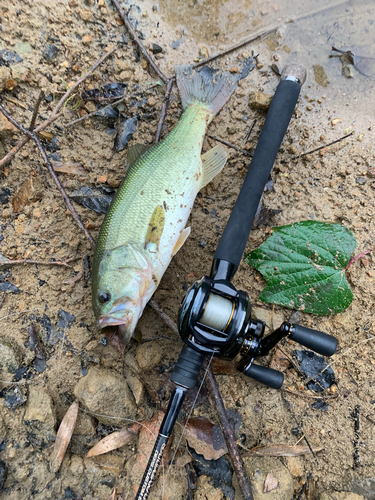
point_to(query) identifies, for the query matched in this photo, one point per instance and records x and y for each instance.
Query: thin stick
(229, 436)
(304, 395)
(9, 262)
(14, 101)
(52, 172)
(129, 27)
(246, 138)
(356, 437)
(238, 46)
(167, 320)
(36, 109)
(73, 88)
(243, 151)
(304, 486)
(164, 109)
(3, 299)
(289, 406)
(318, 149)
(74, 122)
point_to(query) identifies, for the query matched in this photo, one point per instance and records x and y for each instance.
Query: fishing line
(191, 411)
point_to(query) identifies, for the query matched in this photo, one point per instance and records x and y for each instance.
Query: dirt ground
(331, 185)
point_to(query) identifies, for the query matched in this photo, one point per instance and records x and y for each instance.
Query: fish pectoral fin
(181, 240)
(135, 152)
(212, 163)
(155, 227)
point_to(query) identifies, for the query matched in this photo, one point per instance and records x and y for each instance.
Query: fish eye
(104, 297)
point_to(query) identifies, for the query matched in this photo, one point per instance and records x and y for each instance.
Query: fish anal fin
(212, 163)
(134, 152)
(155, 227)
(181, 240)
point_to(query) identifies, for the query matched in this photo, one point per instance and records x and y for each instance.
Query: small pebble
(203, 51)
(86, 39)
(335, 121)
(309, 108)
(360, 180)
(360, 137)
(234, 69)
(260, 65)
(275, 57)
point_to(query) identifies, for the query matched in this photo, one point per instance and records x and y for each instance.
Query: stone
(14, 397)
(23, 48)
(260, 101)
(258, 468)
(10, 358)
(76, 465)
(6, 128)
(148, 355)
(364, 486)
(107, 394)
(4, 76)
(40, 407)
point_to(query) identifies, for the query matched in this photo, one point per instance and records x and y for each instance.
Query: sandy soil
(333, 185)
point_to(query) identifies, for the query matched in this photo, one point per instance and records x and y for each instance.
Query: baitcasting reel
(215, 318)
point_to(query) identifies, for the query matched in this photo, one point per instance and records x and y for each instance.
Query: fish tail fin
(209, 86)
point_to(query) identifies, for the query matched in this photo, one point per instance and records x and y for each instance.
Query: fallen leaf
(206, 438)
(31, 190)
(63, 437)
(69, 168)
(46, 135)
(111, 442)
(271, 483)
(97, 198)
(74, 279)
(281, 450)
(125, 131)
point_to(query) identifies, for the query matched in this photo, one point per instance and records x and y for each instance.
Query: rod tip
(296, 71)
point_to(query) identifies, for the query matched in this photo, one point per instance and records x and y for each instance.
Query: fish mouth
(124, 319)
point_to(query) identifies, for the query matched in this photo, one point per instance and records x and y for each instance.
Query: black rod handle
(315, 340)
(236, 233)
(267, 376)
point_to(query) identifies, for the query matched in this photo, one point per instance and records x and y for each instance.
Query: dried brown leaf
(69, 168)
(111, 442)
(78, 276)
(206, 438)
(281, 450)
(31, 190)
(271, 483)
(63, 437)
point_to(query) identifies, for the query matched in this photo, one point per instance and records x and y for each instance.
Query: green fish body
(145, 224)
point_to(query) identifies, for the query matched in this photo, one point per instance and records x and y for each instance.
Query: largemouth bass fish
(145, 224)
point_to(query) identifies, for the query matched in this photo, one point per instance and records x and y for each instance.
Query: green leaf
(304, 266)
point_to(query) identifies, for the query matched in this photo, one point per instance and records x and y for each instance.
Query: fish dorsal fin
(212, 163)
(181, 240)
(155, 227)
(135, 152)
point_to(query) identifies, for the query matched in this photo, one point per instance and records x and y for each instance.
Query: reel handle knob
(315, 340)
(267, 376)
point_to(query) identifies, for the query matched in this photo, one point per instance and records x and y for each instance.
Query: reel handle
(236, 233)
(315, 340)
(267, 376)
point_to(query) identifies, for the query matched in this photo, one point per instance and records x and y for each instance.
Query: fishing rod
(215, 318)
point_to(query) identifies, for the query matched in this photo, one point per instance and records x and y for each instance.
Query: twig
(129, 27)
(220, 410)
(35, 344)
(291, 360)
(74, 122)
(229, 436)
(317, 149)
(14, 101)
(230, 145)
(356, 258)
(289, 406)
(35, 112)
(9, 262)
(190, 496)
(304, 486)
(52, 172)
(56, 112)
(356, 437)
(246, 138)
(238, 46)
(164, 109)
